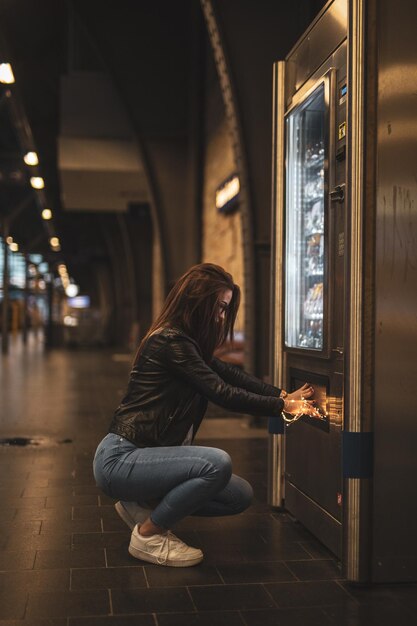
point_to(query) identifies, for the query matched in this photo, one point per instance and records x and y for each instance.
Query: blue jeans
(185, 480)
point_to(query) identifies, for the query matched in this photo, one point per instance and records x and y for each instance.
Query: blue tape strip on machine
(357, 454)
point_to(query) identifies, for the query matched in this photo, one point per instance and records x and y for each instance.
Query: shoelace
(170, 541)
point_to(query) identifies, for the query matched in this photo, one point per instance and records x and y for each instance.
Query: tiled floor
(63, 549)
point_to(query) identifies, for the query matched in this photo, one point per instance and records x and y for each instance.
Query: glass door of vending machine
(306, 246)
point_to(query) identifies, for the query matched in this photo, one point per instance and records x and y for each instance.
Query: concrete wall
(221, 234)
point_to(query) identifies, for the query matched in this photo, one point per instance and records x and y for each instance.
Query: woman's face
(223, 303)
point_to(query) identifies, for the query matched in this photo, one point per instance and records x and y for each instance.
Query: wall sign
(227, 195)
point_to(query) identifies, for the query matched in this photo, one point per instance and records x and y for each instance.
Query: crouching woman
(148, 461)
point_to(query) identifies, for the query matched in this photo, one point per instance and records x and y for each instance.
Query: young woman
(147, 460)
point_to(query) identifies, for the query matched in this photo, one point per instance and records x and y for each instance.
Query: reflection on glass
(305, 227)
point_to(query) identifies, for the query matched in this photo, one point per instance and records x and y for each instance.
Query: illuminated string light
(31, 158)
(37, 182)
(6, 74)
(306, 410)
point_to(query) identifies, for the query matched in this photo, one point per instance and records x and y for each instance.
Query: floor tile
(54, 502)
(112, 525)
(246, 546)
(203, 574)
(315, 570)
(119, 620)
(12, 605)
(7, 514)
(286, 617)
(105, 500)
(35, 622)
(31, 580)
(100, 540)
(231, 597)
(316, 550)
(253, 554)
(19, 484)
(120, 557)
(23, 503)
(255, 572)
(381, 614)
(211, 618)
(19, 543)
(71, 526)
(174, 599)
(300, 594)
(283, 532)
(368, 594)
(242, 522)
(88, 488)
(17, 560)
(45, 492)
(40, 513)
(94, 512)
(108, 578)
(230, 538)
(31, 527)
(405, 595)
(52, 559)
(68, 604)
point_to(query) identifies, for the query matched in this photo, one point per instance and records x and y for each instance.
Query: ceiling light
(9, 240)
(72, 290)
(37, 182)
(14, 247)
(6, 73)
(227, 194)
(31, 158)
(70, 320)
(47, 214)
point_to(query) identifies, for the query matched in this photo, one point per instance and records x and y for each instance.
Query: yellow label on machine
(342, 130)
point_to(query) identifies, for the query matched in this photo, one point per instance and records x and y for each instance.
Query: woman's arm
(181, 357)
(237, 377)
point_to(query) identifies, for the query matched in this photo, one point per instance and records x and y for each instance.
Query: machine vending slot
(321, 396)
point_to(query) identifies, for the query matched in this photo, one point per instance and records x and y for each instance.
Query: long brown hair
(192, 306)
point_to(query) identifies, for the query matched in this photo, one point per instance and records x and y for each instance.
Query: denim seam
(170, 458)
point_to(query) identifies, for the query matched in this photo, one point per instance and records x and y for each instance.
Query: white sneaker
(164, 549)
(132, 513)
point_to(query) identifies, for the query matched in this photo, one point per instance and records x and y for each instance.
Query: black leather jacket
(169, 388)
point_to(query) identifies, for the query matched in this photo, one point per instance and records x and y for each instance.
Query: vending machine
(312, 179)
(344, 276)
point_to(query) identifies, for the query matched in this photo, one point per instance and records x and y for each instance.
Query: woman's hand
(297, 401)
(303, 393)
